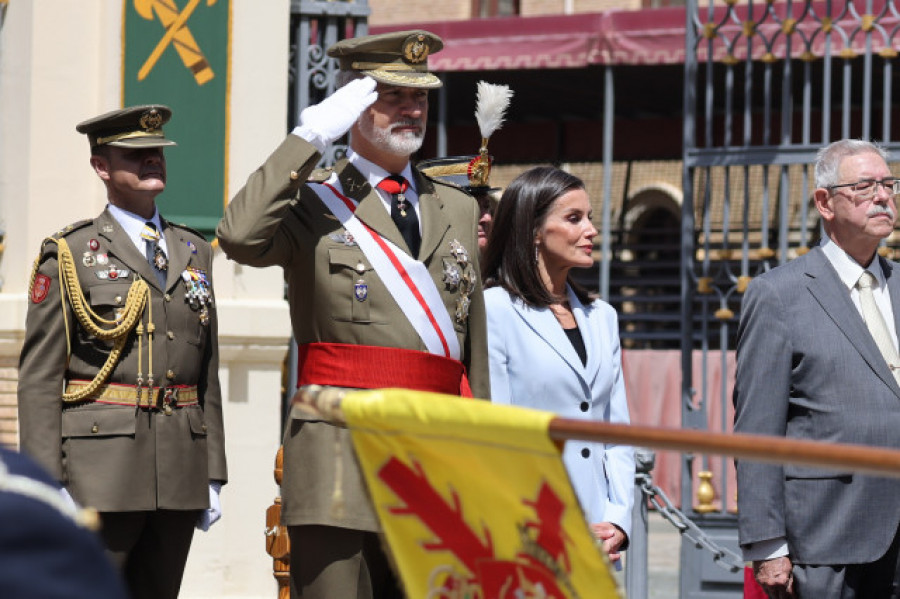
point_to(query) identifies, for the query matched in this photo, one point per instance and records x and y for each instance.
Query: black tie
(402, 213)
(155, 254)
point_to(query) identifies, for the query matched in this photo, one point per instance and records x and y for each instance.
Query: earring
(535, 252)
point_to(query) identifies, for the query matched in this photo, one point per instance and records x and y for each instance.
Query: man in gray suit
(817, 359)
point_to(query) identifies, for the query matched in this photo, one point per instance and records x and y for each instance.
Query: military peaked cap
(131, 127)
(398, 58)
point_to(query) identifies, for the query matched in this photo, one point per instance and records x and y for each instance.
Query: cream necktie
(876, 324)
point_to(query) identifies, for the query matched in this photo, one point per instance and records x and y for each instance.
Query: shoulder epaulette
(186, 228)
(320, 175)
(73, 227)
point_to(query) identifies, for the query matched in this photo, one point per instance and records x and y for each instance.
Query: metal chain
(722, 557)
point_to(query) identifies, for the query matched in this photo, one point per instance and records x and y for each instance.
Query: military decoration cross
(177, 34)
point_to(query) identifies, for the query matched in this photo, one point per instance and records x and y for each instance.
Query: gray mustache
(878, 209)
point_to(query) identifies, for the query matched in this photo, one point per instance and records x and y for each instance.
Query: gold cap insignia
(151, 120)
(415, 48)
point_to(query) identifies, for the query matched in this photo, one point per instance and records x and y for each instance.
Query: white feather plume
(490, 107)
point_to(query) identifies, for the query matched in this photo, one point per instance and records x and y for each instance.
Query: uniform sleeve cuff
(304, 132)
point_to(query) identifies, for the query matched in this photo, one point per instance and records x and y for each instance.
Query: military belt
(161, 398)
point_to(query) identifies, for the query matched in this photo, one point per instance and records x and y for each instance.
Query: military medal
(459, 252)
(345, 238)
(451, 274)
(112, 273)
(88, 260)
(159, 259)
(198, 294)
(464, 279)
(462, 308)
(93, 245)
(361, 290)
(402, 204)
(102, 259)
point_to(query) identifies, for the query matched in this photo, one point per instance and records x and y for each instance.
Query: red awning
(655, 36)
(556, 42)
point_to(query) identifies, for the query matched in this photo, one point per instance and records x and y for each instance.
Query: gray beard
(399, 144)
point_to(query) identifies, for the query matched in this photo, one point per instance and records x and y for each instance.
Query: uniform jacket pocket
(102, 422)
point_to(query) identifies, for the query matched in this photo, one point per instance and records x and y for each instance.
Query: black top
(577, 341)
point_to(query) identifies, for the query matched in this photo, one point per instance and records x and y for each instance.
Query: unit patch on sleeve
(40, 288)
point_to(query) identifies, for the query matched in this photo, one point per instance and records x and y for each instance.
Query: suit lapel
(544, 324)
(893, 285)
(123, 248)
(827, 289)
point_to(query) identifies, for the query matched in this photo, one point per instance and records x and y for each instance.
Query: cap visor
(142, 142)
(406, 79)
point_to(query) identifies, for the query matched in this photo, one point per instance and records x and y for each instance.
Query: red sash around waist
(371, 367)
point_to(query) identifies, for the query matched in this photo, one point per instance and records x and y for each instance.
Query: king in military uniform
(382, 270)
(118, 376)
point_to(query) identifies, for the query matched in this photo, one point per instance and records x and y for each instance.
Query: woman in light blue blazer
(551, 346)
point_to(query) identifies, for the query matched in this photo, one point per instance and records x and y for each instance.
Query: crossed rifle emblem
(177, 34)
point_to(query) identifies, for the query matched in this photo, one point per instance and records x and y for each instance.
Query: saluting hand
(328, 120)
(775, 576)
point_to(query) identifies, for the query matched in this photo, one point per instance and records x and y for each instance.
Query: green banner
(176, 52)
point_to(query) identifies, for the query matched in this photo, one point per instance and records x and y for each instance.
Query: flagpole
(326, 403)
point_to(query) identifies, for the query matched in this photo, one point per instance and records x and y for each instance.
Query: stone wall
(9, 374)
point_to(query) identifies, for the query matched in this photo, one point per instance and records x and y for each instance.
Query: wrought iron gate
(765, 85)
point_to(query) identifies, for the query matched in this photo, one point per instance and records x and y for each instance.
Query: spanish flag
(473, 498)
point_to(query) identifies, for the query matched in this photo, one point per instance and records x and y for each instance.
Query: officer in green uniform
(469, 173)
(382, 271)
(118, 376)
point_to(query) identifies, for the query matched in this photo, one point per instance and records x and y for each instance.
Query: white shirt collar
(374, 173)
(848, 269)
(133, 224)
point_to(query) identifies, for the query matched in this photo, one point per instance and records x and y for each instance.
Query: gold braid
(135, 302)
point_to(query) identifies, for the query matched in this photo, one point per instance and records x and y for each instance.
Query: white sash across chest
(407, 279)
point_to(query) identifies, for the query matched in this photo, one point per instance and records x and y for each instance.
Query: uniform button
(167, 297)
(584, 406)
(170, 374)
(95, 429)
(118, 299)
(203, 427)
(360, 267)
(170, 334)
(585, 453)
(294, 175)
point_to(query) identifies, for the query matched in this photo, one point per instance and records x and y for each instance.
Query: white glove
(211, 515)
(328, 120)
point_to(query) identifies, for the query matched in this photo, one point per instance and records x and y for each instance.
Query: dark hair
(509, 259)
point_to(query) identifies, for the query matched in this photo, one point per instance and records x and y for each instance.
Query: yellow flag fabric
(473, 498)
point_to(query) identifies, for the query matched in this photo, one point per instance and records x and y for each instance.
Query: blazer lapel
(544, 323)
(123, 248)
(827, 289)
(370, 209)
(588, 326)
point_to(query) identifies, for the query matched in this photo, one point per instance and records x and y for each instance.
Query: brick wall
(427, 11)
(9, 374)
(385, 12)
